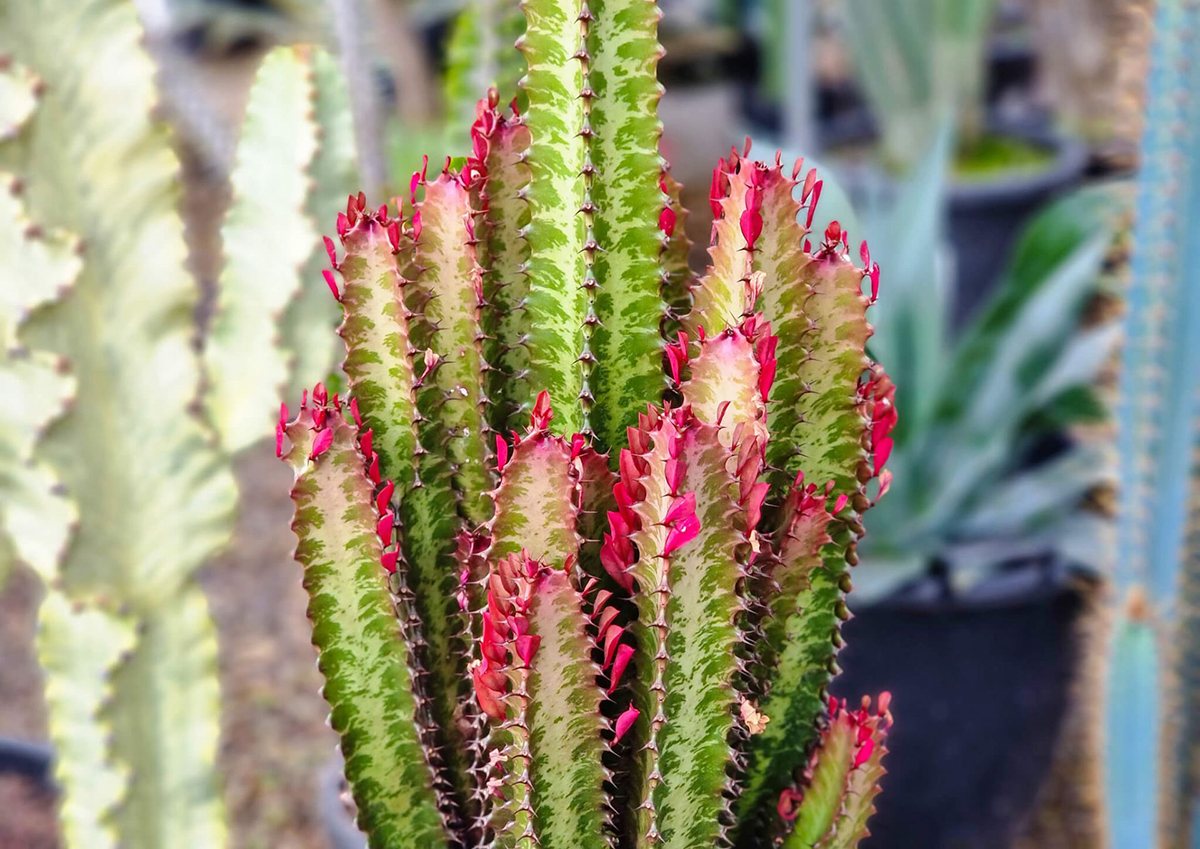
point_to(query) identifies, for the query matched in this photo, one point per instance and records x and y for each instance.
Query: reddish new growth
(617, 553)
(878, 394)
(323, 417)
(868, 729)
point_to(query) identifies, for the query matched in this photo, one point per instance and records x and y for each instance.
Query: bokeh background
(986, 154)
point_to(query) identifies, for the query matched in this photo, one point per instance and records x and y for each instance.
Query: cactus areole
(574, 584)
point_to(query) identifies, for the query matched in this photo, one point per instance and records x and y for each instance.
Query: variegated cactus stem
(841, 780)
(345, 527)
(762, 259)
(535, 674)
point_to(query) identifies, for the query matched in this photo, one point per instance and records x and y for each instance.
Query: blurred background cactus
(1152, 698)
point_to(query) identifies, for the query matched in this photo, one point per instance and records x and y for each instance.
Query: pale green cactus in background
(115, 491)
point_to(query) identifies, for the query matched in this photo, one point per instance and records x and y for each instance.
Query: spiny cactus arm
(79, 647)
(621, 94)
(816, 304)
(561, 280)
(362, 654)
(537, 682)
(169, 681)
(1156, 555)
(308, 319)
(841, 781)
(730, 377)
(504, 253)
(720, 295)
(267, 239)
(379, 353)
(810, 604)
(128, 332)
(802, 535)
(687, 501)
(36, 268)
(449, 289)
(537, 500)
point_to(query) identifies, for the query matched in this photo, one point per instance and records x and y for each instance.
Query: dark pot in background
(335, 818)
(29, 759)
(980, 689)
(987, 216)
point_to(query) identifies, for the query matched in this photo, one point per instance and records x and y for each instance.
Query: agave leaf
(267, 239)
(79, 647)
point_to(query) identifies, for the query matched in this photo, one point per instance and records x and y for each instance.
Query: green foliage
(625, 649)
(920, 62)
(973, 405)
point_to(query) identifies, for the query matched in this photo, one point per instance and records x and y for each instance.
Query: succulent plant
(611, 622)
(1152, 695)
(115, 492)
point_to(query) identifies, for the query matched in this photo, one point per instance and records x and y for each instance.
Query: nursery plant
(984, 474)
(921, 62)
(578, 537)
(1151, 702)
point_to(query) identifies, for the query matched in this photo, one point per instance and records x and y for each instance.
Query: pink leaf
(331, 283)
(624, 653)
(685, 506)
(321, 443)
(527, 646)
(684, 532)
(625, 722)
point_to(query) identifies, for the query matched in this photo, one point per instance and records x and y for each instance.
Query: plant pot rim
(1070, 157)
(1003, 188)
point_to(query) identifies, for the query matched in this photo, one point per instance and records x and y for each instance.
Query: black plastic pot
(980, 689)
(987, 216)
(27, 758)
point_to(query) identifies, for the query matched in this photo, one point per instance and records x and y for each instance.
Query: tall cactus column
(1153, 687)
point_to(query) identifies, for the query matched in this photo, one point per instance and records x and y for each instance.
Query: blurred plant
(116, 492)
(1152, 703)
(971, 490)
(920, 62)
(711, 567)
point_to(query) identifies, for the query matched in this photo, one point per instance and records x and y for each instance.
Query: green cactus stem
(344, 536)
(841, 780)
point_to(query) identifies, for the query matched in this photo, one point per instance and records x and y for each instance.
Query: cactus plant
(115, 491)
(610, 622)
(1151, 705)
